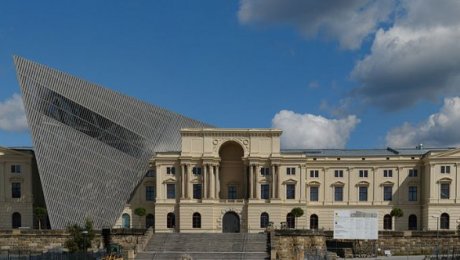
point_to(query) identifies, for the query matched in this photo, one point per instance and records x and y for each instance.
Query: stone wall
(293, 244)
(51, 240)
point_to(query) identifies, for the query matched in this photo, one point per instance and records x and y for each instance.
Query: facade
(239, 180)
(15, 189)
(92, 145)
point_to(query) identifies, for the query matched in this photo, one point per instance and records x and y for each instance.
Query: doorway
(231, 223)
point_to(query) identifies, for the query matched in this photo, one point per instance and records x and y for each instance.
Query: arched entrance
(231, 177)
(231, 223)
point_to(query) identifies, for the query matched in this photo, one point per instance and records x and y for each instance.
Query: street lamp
(437, 235)
(85, 234)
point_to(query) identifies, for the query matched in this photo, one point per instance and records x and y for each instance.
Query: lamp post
(437, 235)
(85, 234)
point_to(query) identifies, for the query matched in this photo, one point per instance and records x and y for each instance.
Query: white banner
(355, 224)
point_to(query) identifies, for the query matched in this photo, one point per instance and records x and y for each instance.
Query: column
(217, 182)
(212, 183)
(160, 194)
(205, 180)
(257, 173)
(302, 183)
(278, 184)
(182, 180)
(245, 182)
(251, 181)
(273, 169)
(189, 182)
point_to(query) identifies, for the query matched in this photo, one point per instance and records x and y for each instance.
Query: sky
(330, 74)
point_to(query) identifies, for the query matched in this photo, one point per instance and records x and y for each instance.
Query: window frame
(314, 173)
(168, 191)
(363, 173)
(335, 193)
(338, 173)
(442, 194)
(314, 193)
(265, 190)
(387, 194)
(197, 191)
(150, 193)
(290, 191)
(366, 189)
(16, 192)
(412, 196)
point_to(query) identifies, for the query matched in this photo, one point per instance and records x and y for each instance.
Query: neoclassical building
(16, 195)
(239, 180)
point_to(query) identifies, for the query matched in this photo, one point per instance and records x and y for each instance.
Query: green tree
(40, 213)
(297, 213)
(397, 212)
(140, 212)
(80, 237)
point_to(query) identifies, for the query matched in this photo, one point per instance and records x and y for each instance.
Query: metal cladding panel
(92, 145)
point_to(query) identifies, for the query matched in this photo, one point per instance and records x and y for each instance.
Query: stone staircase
(206, 246)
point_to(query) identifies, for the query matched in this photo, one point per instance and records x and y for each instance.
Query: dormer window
(15, 168)
(171, 170)
(196, 170)
(445, 169)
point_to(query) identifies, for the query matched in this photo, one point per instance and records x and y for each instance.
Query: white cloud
(418, 58)
(348, 21)
(439, 129)
(12, 114)
(312, 131)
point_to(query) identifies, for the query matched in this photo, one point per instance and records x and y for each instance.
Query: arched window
(387, 222)
(150, 221)
(196, 219)
(125, 221)
(412, 222)
(171, 220)
(16, 220)
(314, 221)
(264, 220)
(444, 221)
(290, 220)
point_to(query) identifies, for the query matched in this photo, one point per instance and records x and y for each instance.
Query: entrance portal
(231, 223)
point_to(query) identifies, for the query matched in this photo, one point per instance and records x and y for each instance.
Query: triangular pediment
(290, 181)
(387, 183)
(452, 153)
(169, 180)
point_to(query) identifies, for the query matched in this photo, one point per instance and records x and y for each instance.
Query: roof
(362, 152)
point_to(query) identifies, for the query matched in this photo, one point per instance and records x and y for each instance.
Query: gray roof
(361, 152)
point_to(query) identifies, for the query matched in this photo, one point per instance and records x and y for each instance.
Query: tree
(140, 212)
(297, 213)
(78, 240)
(40, 213)
(397, 212)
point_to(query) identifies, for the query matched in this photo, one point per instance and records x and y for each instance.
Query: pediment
(453, 153)
(169, 180)
(363, 183)
(314, 183)
(290, 181)
(338, 183)
(445, 180)
(387, 183)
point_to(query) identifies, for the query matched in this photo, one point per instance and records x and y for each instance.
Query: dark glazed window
(196, 220)
(412, 222)
(171, 220)
(265, 191)
(338, 193)
(16, 190)
(170, 191)
(314, 193)
(264, 219)
(314, 221)
(444, 221)
(197, 191)
(290, 191)
(16, 220)
(387, 222)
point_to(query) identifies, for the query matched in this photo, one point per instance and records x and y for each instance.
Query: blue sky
(331, 74)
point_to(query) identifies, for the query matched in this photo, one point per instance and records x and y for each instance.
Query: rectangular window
(290, 191)
(170, 170)
(412, 193)
(265, 191)
(314, 193)
(387, 193)
(290, 171)
(363, 173)
(171, 191)
(338, 193)
(445, 169)
(264, 171)
(362, 193)
(314, 174)
(16, 190)
(15, 168)
(338, 173)
(196, 170)
(150, 193)
(445, 190)
(413, 173)
(197, 191)
(232, 192)
(387, 173)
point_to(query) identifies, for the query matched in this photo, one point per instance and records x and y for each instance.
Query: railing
(232, 200)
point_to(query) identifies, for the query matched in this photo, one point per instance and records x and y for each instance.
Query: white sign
(355, 224)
